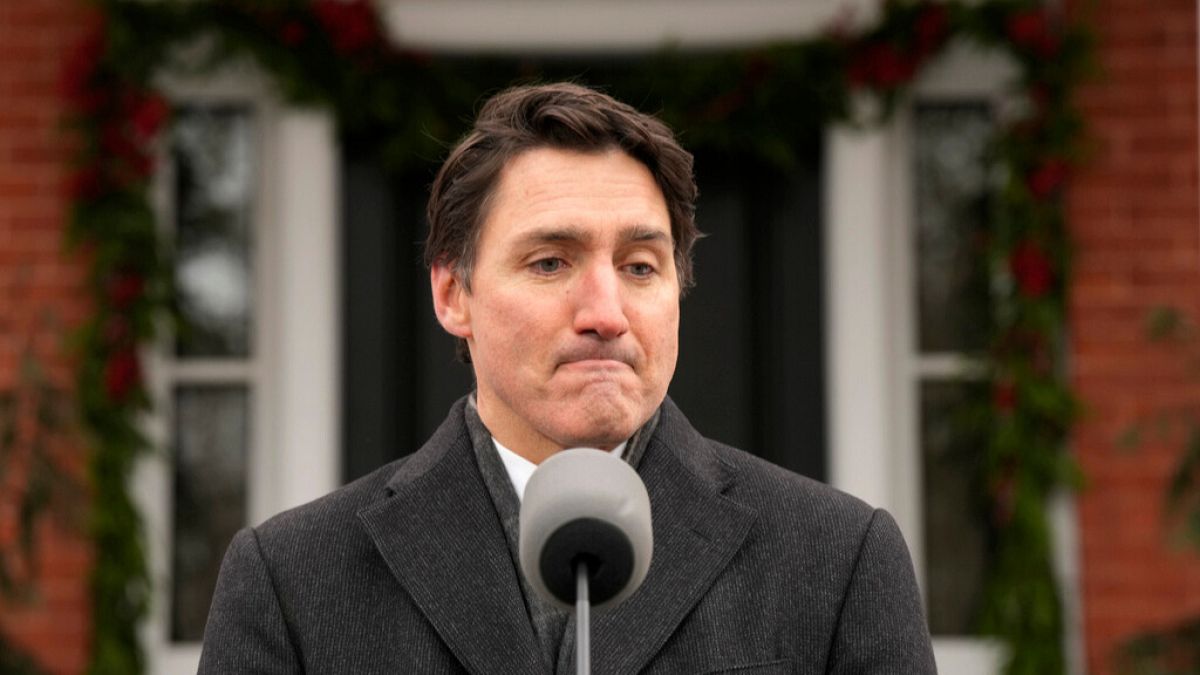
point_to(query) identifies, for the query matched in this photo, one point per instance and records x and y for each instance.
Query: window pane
(212, 430)
(213, 151)
(951, 192)
(955, 524)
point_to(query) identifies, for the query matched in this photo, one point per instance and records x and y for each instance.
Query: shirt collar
(520, 469)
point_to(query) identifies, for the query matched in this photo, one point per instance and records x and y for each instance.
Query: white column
(857, 327)
(307, 321)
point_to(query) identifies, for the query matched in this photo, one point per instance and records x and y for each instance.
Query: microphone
(585, 506)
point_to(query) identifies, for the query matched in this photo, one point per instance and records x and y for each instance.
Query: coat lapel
(696, 533)
(439, 533)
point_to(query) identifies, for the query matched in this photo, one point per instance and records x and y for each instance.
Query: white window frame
(873, 365)
(294, 369)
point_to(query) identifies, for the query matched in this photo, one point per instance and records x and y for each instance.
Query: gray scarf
(554, 627)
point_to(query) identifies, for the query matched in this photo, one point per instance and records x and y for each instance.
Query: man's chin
(601, 423)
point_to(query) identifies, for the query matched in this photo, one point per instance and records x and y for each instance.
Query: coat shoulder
(327, 519)
(831, 573)
(793, 508)
(769, 485)
(335, 517)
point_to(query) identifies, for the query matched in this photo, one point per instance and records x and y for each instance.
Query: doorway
(751, 357)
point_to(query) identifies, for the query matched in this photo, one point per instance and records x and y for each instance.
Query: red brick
(35, 37)
(1134, 216)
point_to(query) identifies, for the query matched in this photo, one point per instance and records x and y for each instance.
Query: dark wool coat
(755, 570)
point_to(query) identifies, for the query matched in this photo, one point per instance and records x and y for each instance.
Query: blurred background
(841, 325)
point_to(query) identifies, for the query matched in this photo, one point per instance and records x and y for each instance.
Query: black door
(751, 364)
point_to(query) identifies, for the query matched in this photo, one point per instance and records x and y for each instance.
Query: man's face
(573, 314)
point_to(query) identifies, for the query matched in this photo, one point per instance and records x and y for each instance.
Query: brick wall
(1135, 216)
(40, 298)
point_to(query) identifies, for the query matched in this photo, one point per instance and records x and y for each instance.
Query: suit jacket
(755, 570)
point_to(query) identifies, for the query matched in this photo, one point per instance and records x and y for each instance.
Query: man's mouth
(598, 359)
(597, 364)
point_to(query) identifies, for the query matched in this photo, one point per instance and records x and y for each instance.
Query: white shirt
(520, 469)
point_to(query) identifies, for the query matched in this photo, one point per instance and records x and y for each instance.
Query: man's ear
(450, 300)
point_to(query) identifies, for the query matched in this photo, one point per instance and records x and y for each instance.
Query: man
(560, 236)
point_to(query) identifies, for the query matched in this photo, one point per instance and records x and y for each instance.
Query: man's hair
(567, 117)
(564, 116)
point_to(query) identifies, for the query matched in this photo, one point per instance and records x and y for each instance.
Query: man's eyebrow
(554, 234)
(639, 233)
(633, 234)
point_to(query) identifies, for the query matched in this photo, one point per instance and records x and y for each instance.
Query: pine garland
(769, 103)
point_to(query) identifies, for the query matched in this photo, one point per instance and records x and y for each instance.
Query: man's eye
(641, 269)
(548, 265)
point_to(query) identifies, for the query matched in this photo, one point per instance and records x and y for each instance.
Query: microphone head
(585, 504)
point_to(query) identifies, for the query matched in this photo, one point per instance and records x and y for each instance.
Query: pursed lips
(596, 364)
(597, 359)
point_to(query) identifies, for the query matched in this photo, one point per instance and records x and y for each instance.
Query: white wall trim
(857, 330)
(1068, 568)
(614, 25)
(308, 366)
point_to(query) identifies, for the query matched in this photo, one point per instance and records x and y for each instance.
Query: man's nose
(599, 303)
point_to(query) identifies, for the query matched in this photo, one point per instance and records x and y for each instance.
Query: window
(245, 385)
(951, 329)
(213, 375)
(944, 318)
(906, 305)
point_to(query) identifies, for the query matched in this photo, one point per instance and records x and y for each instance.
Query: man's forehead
(549, 162)
(549, 194)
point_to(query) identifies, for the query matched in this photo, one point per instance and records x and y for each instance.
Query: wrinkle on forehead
(560, 175)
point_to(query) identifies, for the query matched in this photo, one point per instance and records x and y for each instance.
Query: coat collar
(440, 535)
(697, 531)
(438, 531)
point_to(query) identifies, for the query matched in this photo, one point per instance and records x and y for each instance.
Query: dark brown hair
(559, 115)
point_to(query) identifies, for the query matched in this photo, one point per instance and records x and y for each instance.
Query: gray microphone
(585, 536)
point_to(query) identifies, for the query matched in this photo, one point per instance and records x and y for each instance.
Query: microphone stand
(583, 629)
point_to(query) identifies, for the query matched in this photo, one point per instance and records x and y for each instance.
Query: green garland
(32, 458)
(769, 103)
